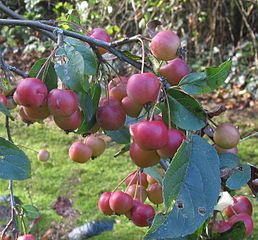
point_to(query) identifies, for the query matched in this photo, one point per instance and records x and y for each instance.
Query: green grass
(83, 183)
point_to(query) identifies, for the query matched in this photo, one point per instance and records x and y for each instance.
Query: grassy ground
(82, 183)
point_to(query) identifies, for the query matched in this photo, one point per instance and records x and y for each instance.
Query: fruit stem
(140, 174)
(120, 183)
(156, 102)
(137, 184)
(143, 54)
(168, 108)
(135, 172)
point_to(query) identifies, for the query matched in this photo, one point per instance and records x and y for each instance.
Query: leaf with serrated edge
(205, 82)
(186, 112)
(193, 181)
(14, 164)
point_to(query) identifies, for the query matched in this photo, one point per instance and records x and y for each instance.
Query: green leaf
(123, 150)
(239, 178)
(192, 183)
(14, 164)
(5, 111)
(186, 112)
(205, 82)
(121, 136)
(154, 172)
(72, 72)
(31, 211)
(90, 60)
(74, 17)
(228, 160)
(237, 232)
(131, 56)
(49, 74)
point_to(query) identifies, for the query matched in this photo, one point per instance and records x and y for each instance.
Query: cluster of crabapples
(130, 202)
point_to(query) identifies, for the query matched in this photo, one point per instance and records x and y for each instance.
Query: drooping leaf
(74, 17)
(192, 183)
(5, 111)
(14, 164)
(31, 211)
(205, 82)
(228, 160)
(47, 75)
(239, 178)
(131, 56)
(121, 136)
(123, 150)
(90, 60)
(71, 73)
(186, 112)
(154, 172)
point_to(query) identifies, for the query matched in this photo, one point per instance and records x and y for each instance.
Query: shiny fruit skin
(142, 215)
(110, 115)
(39, 113)
(69, 123)
(241, 204)
(62, 103)
(3, 100)
(43, 155)
(135, 203)
(151, 179)
(164, 45)
(151, 135)
(247, 219)
(31, 92)
(26, 237)
(134, 177)
(97, 145)
(79, 152)
(154, 192)
(174, 70)
(100, 34)
(226, 136)
(103, 203)
(137, 188)
(175, 139)
(143, 88)
(120, 202)
(15, 98)
(143, 158)
(25, 118)
(131, 108)
(220, 226)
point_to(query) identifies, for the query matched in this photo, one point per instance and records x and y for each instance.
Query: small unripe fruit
(79, 152)
(138, 191)
(241, 204)
(103, 203)
(174, 70)
(120, 202)
(69, 123)
(97, 145)
(62, 103)
(142, 215)
(151, 135)
(131, 108)
(226, 135)
(243, 217)
(43, 155)
(110, 115)
(3, 100)
(175, 139)
(143, 158)
(133, 178)
(39, 113)
(143, 88)
(31, 92)
(164, 45)
(154, 192)
(100, 34)
(26, 237)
